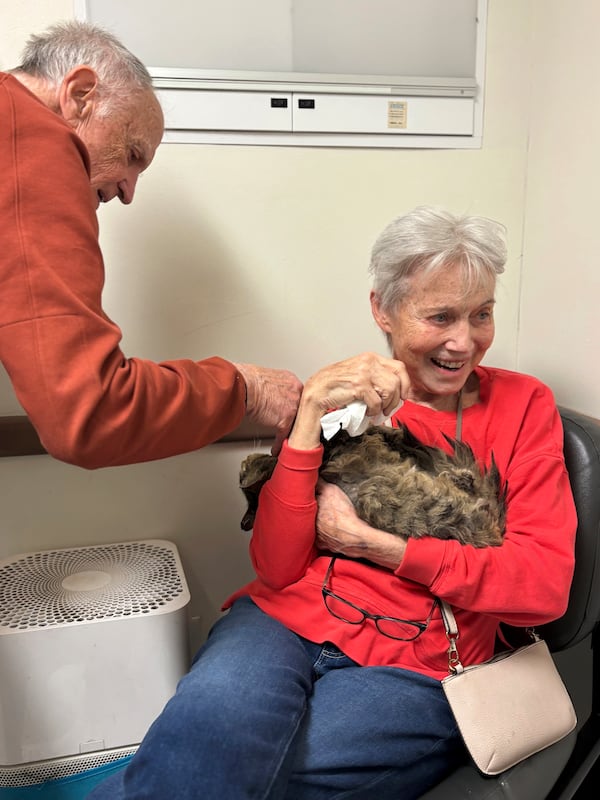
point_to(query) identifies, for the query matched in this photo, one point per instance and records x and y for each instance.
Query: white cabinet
(395, 116)
(316, 112)
(208, 110)
(370, 73)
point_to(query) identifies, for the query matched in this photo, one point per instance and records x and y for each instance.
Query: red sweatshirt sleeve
(525, 581)
(90, 404)
(283, 539)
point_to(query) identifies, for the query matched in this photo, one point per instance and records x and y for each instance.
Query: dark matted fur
(399, 485)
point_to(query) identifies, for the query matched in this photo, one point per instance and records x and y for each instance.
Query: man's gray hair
(426, 239)
(52, 54)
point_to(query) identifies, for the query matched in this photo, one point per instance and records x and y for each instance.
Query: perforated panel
(62, 587)
(32, 774)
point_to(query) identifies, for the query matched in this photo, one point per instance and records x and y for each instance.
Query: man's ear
(77, 94)
(380, 317)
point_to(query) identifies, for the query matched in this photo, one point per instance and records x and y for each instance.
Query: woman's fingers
(380, 382)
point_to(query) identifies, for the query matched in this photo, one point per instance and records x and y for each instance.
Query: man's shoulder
(30, 116)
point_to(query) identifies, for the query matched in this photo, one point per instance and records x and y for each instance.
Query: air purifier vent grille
(42, 771)
(86, 584)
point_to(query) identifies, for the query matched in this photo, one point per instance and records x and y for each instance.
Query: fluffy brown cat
(399, 485)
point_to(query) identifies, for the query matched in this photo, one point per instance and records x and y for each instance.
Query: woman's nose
(460, 335)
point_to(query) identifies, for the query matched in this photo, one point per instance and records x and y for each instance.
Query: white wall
(260, 254)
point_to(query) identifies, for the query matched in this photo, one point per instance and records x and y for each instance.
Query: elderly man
(80, 123)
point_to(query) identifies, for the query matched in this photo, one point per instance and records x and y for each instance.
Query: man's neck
(43, 90)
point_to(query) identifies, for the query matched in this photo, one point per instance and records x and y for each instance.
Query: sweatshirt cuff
(300, 459)
(296, 474)
(423, 560)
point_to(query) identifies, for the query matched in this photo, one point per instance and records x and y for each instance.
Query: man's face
(121, 146)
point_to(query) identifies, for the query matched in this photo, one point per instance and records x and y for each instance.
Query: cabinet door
(343, 113)
(210, 110)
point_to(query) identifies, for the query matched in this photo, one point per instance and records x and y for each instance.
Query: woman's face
(440, 331)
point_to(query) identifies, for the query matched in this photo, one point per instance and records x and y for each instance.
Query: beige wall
(558, 336)
(260, 254)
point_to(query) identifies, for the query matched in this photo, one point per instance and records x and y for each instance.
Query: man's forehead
(146, 124)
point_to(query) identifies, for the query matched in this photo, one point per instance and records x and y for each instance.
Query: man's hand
(272, 399)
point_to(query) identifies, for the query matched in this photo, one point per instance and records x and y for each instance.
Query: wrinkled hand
(340, 530)
(272, 398)
(336, 521)
(378, 381)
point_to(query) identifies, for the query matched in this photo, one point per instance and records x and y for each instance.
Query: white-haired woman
(323, 680)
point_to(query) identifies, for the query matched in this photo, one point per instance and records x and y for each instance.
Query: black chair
(559, 771)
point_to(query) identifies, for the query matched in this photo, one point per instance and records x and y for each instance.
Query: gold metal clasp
(454, 664)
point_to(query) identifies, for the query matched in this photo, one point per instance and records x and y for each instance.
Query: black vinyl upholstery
(558, 771)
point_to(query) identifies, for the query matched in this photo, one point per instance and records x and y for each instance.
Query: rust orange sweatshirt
(90, 404)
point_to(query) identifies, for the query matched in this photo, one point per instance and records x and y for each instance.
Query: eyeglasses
(402, 629)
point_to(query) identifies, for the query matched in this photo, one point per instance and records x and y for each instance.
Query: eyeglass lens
(388, 626)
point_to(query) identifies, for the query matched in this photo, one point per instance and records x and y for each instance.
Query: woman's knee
(250, 664)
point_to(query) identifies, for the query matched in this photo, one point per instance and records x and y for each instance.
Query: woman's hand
(340, 530)
(380, 382)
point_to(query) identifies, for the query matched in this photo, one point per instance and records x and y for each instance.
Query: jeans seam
(328, 654)
(283, 755)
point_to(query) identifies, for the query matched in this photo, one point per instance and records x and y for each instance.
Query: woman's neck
(468, 396)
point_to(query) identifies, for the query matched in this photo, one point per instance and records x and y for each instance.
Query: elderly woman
(301, 692)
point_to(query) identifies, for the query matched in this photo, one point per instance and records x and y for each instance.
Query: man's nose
(127, 187)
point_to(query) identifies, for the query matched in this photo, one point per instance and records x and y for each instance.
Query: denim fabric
(263, 713)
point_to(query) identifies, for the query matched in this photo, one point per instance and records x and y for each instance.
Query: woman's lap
(373, 732)
(249, 720)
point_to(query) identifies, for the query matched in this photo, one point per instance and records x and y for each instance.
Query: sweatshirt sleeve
(91, 405)
(526, 580)
(283, 539)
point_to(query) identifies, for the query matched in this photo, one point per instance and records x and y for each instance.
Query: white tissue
(352, 418)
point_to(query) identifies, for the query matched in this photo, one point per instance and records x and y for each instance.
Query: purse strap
(455, 666)
(454, 663)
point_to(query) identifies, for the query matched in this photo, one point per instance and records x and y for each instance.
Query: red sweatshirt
(524, 582)
(90, 404)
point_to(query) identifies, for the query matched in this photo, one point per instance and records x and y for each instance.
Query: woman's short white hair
(427, 239)
(53, 54)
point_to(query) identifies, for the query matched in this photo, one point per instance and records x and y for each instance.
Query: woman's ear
(78, 94)
(380, 317)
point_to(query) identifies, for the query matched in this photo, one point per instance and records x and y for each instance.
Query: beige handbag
(507, 708)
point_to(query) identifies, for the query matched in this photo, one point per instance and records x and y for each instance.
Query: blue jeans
(264, 713)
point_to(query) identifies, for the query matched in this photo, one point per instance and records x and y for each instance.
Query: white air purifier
(93, 641)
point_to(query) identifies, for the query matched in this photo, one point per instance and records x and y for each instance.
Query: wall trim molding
(18, 437)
